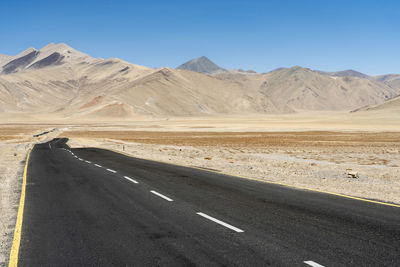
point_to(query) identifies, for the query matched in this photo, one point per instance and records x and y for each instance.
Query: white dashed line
(314, 264)
(220, 222)
(97, 165)
(88, 161)
(111, 171)
(161, 195)
(130, 179)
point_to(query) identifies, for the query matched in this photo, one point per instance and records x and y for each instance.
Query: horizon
(355, 35)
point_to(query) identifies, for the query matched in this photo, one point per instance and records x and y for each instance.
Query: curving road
(93, 207)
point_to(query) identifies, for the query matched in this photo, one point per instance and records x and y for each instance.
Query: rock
(352, 174)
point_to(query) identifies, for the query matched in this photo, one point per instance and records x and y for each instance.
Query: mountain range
(63, 82)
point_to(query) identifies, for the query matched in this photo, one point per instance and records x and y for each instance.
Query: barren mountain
(50, 55)
(203, 65)
(392, 80)
(343, 73)
(303, 89)
(166, 92)
(63, 82)
(4, 59)
(57, 75)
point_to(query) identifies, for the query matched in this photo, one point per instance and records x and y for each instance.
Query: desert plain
(305, 150)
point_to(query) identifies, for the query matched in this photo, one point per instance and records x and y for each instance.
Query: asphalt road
(93, 207)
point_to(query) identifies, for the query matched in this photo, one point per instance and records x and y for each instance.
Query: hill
(392, 105)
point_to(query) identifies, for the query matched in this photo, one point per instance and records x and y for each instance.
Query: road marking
(111, 170)
(50, 145)
(18, 225)
(88, 161)
(220, 222)
(161, 195)
(97, 165)
(80, 159)
(130, 179)
(314, 264)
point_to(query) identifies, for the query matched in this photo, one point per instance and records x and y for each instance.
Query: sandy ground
(302, 121)
(318, 160)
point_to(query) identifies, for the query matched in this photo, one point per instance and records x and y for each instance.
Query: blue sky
(259, 35)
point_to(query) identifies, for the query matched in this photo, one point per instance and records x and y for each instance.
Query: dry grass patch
(11, 132)
(295, 139)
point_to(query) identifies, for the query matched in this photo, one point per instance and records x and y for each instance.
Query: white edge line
(97, 165)
(161, 195)
(110, 170)
(220, 222)
(130, 179)
(313, 263)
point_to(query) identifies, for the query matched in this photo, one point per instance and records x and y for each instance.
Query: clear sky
(261, 35)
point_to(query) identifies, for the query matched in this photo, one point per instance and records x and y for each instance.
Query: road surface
(93, 207)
